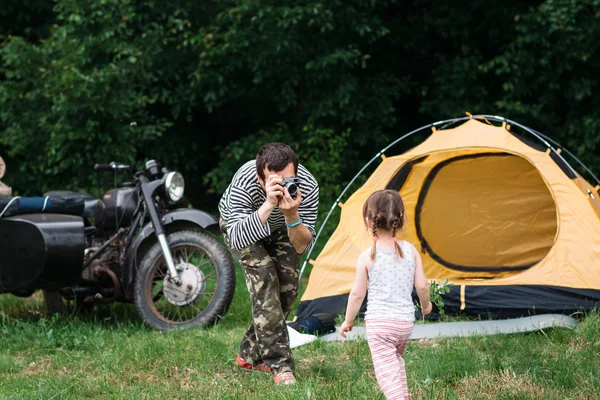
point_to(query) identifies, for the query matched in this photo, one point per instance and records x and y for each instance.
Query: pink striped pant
(387, 340)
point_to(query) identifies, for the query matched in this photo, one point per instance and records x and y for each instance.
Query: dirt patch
(428, 342)
(40, 365)
(504, 382)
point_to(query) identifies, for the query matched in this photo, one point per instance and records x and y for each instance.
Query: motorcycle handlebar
(113, 166)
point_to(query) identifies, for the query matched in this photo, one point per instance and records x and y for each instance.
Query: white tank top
(391, 282)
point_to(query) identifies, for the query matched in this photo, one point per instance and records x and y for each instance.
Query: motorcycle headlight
(174, 186)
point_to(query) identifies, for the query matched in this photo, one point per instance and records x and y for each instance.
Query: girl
(391, 268)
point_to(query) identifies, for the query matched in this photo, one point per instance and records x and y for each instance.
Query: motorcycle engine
(110, 259)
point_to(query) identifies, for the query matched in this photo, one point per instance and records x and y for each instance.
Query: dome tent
(508, 221)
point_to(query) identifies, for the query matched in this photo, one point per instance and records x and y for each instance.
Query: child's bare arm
(422, 285)
(358, 293)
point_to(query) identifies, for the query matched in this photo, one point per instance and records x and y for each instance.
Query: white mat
(298, 339)
(453, 329)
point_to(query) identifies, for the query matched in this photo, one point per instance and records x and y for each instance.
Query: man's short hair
(275, 156)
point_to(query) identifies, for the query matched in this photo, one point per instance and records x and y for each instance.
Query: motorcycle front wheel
(208, 281)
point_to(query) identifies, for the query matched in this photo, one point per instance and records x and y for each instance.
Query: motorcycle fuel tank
(117, 209)
(40, 251)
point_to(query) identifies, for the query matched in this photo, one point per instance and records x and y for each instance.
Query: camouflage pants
(271, 269)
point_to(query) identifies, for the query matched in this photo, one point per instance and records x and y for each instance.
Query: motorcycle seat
(90, 202)
(68, 194)
(48, 204)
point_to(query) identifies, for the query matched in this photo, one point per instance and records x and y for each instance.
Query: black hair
(275, 156)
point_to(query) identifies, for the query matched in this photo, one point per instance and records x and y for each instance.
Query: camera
(292, 185)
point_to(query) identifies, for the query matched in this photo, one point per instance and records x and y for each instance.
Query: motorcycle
(132, 245)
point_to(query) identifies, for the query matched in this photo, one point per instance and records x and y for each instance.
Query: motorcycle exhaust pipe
(116, 289)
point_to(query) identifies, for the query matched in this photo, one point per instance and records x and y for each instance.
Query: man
(267, 228)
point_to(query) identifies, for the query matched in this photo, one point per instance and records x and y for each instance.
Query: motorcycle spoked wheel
(209, 271)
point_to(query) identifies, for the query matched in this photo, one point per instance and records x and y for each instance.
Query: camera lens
(292, 189)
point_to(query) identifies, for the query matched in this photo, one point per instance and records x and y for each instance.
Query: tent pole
(543, 138)
(561, 157)
(546, 138)
(571, 155)
(378, 155)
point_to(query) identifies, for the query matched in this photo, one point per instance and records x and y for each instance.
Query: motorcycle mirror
(152, 167)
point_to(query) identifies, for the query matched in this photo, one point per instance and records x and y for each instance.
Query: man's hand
(289, 206)
(299, 234)
(274, 190)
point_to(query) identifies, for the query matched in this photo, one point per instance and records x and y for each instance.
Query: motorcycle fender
(185, 218)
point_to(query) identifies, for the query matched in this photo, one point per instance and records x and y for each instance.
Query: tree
(201, 85)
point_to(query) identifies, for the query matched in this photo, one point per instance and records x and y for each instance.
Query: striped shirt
(240, 203)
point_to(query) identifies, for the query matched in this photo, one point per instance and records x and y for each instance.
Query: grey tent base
(471, 328)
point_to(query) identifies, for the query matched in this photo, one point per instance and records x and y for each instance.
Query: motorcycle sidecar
(40, 251)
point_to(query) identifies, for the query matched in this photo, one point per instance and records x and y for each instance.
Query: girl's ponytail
(399, 251)
(374, 223)
(374, 249)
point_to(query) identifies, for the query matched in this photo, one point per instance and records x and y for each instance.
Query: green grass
(111, 355)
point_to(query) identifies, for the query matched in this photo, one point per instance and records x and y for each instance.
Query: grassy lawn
(113, 356)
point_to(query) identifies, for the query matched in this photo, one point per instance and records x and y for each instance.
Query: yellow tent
(509, 222)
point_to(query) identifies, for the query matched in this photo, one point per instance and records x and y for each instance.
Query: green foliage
(301, 64)
(84, 95)
(8, 365)
(549, 74)
(300, 59)
(201, 85)
(437, 291)
(324, 151)
(238, 152)
(208, 82)
(535, 65)
(436, 294)
(26, 18)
